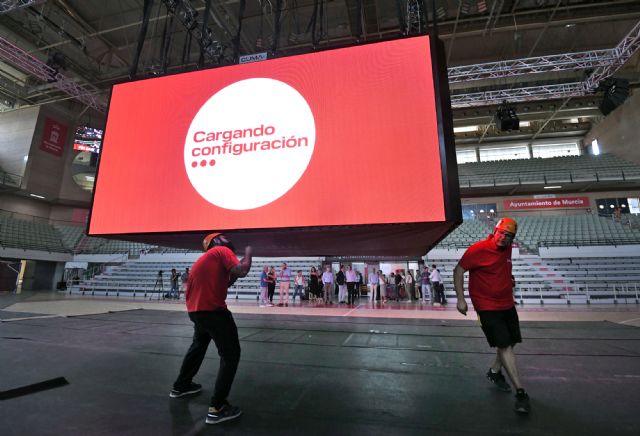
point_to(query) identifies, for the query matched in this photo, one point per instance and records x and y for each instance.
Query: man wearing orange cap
(210, 277)
(490, 289)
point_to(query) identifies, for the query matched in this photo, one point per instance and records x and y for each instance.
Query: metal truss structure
(10, 5)
(22, 60)
(188, 16)
(414, 18)
(542, 64)
(606, 62)
(544, 92)
(622, 53)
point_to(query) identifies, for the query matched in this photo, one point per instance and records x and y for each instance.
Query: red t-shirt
(489, 269)
(209, 279)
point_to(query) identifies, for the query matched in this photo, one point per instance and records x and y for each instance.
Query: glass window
(555, 150)
(504, 153)
(466, 156)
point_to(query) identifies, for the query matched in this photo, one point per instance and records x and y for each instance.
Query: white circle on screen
(249, 144)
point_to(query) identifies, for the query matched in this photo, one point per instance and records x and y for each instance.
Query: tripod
(160, 286)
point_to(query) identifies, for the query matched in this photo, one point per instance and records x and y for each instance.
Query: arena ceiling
(93, 44)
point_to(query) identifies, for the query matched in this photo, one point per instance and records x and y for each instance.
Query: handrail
(588, 242)
(549, 176)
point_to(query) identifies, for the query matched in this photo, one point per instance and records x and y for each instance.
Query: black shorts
(501, 327)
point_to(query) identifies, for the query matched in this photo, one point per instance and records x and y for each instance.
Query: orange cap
(508, 225)
(207, 240)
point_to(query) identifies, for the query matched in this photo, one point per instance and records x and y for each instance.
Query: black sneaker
(498, 379)
(193, 388)
(522, 402)
(226, 413)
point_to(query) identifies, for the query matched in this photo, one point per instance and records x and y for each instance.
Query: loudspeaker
(506, 119)
(616, 92)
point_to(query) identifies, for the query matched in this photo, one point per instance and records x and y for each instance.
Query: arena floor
(403, 369)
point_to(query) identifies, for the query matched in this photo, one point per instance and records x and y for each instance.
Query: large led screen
(334, 138)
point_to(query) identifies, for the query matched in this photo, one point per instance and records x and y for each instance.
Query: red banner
(547, 203)
(53, 137)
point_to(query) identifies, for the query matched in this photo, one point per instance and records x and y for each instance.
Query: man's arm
(241, 269)
(458, 284)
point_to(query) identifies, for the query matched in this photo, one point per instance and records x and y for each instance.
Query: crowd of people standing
(346, 285)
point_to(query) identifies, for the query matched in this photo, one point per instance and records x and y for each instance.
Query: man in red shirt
(490, 289)
(210, 277)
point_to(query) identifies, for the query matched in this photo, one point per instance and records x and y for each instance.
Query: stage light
(595, 147)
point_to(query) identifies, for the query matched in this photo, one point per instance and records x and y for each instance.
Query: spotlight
(507, 118)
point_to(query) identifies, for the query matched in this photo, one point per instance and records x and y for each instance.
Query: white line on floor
(355, 308)
(629, 320)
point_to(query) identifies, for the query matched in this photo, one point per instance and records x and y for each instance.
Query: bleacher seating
(467, 233)
(585, 168)
(574, 230)
(29, 235)
(567, 230)
(140, 279)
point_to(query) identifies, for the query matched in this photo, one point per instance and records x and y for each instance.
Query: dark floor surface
(317, 376)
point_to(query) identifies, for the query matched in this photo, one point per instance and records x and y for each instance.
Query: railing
(588, 242)
(541, 294)
(549, 176)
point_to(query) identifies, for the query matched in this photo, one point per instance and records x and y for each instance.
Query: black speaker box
(616, 92)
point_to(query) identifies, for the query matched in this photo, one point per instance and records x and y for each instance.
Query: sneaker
(498, 379)
(194, 388)
(269, 305)
(263, 305)
(522, 402)
(226, 413)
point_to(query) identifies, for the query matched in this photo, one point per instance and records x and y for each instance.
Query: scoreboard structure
(341, 152)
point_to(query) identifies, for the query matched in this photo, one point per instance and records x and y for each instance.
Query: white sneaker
(263, 305)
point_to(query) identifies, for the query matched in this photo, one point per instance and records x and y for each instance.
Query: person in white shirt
(436, 282)
(382, 280)
(299, 287)
(352, 278)
(327, 284)
(408, 286)
(372, 283)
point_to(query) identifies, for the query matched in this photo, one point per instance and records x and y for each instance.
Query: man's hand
(248, 251)
(462, 307)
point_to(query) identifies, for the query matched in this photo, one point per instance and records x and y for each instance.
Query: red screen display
(340, 137)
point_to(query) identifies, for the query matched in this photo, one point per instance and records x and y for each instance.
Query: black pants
(219, 326)
(351, 290)
(271, 287)
(438, 293)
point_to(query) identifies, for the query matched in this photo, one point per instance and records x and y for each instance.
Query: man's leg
(508, 359)
(193, 359)
(286, 292)
(225, 335)
(497, 364)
